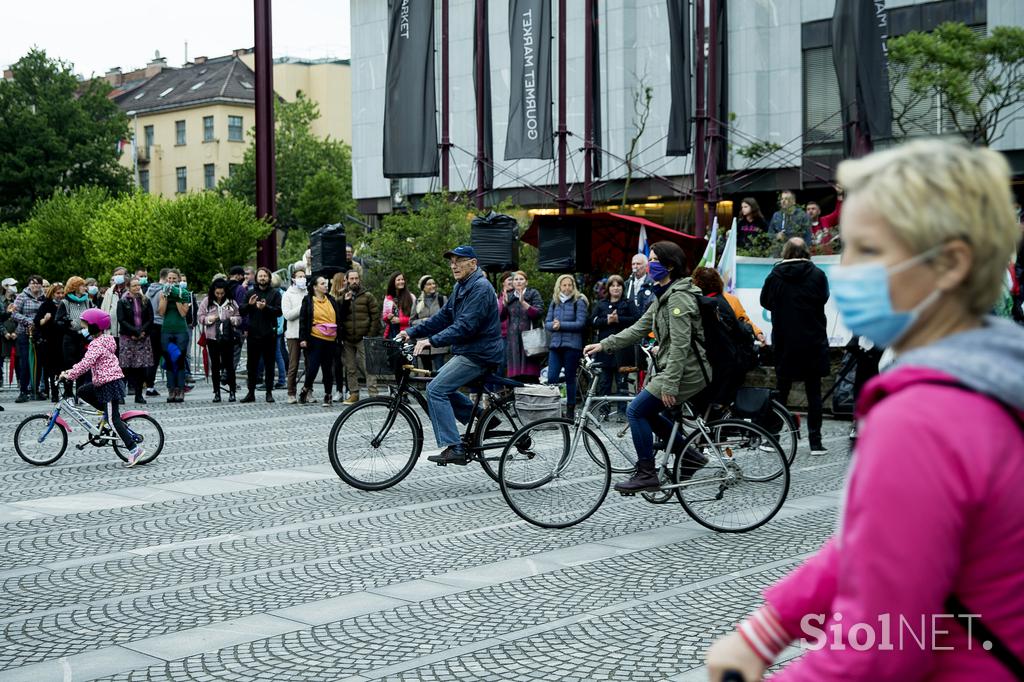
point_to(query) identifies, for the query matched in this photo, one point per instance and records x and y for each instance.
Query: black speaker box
(563, 246)
(495, 238)
(327, 247)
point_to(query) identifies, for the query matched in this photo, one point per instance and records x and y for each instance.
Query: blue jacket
(468, 323)
(572, 321)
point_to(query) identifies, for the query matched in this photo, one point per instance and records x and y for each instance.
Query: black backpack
(728, 343)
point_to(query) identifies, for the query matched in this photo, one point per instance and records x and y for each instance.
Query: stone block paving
(239, 555)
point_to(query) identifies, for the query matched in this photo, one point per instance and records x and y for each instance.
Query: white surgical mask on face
(300, 282)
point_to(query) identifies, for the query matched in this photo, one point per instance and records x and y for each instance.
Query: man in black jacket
(795, 292)
(261, 309)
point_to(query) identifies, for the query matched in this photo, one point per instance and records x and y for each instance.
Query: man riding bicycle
(469, 324)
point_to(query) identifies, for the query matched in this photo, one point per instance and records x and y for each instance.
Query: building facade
(191, 124)
(781, 89)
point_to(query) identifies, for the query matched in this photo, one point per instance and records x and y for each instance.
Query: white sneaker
(292, 400)
(133, 457)
(819, 450)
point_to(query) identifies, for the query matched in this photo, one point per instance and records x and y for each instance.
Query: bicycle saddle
(490, 379)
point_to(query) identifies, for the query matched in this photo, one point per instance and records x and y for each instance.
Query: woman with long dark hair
(398, 304)
(49, 338)
(609, 316)
(750, 223)
(220, 318)
(319, 317)
(134, 324)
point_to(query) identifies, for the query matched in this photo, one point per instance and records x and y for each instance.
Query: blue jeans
(645, 419)
(569, 360)
(23, 348)
(175, 370)
(445, 401)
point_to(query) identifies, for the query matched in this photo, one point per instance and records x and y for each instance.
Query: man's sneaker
(292, 400)
(22, 398)
(818, 449)
(453, 454)
(134, 456)
(352, 399)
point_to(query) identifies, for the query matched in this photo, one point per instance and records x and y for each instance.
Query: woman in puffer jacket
(932, 525)
(567, 320)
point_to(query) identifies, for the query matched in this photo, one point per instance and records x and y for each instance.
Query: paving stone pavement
(239, 555)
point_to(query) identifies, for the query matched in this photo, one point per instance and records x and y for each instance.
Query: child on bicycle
(107, 386)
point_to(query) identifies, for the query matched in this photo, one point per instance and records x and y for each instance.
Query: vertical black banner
(529, 107)
(410, 123)
(481, 39)
(860, 33)
(595, 92)
(680, 131)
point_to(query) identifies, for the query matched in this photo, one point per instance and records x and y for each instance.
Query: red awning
(614, 237)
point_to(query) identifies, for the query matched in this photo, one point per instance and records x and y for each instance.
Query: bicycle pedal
(625, 494)
(441, 464)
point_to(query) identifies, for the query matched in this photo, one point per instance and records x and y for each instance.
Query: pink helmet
(97, 317)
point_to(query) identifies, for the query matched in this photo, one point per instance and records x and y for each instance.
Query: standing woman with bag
(567, 319)
(523, 308)
(319, 317)
(220, 318)
(134, 325)
(397, 308)
(429, 302)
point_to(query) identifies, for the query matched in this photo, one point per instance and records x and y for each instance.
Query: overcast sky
(96, 35)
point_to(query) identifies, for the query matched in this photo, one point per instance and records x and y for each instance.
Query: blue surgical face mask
(143, 281)
(84, 332)
(118, 279)
(657, 271)
(93, 290)
(861, 293)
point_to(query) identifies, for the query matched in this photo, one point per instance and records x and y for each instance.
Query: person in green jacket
(674, 318)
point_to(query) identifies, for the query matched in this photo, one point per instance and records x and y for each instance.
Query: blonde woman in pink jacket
(927, 564)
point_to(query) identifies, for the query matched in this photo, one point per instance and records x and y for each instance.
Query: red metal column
(563, 133)
(588, 108)
(266, 181)
(700, 137)
(711, 110)
(446, 142)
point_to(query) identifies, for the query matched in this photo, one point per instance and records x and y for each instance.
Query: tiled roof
(223, 79)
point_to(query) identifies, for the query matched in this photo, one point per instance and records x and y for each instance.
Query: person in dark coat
(261, 310)
(795, 292)
(608, 316)
(135, 324)
(50, 339)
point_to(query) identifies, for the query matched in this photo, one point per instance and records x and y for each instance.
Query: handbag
(535, 341)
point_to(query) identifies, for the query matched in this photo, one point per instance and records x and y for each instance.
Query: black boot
(250, 397)
(570, 412)
(453, 454)
(216, 392)
(231, 395)
(270, 396)
(644, 479)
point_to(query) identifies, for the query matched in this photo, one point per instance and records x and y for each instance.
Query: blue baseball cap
(463, 251)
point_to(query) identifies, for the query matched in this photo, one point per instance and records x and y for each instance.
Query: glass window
(209, 176)
(144, 180)
(207, 128)
(148, 132)
(235, 129)
(182, 174)
(179, 132)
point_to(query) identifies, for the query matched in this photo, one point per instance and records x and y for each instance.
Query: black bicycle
(375, 443)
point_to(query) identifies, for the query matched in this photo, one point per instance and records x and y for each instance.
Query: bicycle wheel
(38, 442)
(781, 424)
(372, 446)
(499, 422)
(742, 484)
(146, 432)
(614, 435)
(549, 478)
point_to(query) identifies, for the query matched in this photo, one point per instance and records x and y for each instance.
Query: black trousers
(88, 393)
(812, 386)
(320, 357)
(222, 359)
(265, 348)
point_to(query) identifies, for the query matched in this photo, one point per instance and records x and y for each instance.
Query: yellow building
(191, 123)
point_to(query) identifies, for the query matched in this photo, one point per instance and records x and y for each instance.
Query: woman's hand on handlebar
(592, 349)
(732, 653)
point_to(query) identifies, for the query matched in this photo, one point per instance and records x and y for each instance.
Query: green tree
(56, 133)
(301, 158)
(54, 242)
(978, 80)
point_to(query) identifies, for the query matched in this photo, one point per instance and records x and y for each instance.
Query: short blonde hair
(934, 191)
(558, 287)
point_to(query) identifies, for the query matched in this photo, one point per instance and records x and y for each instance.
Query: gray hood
(989, 359)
